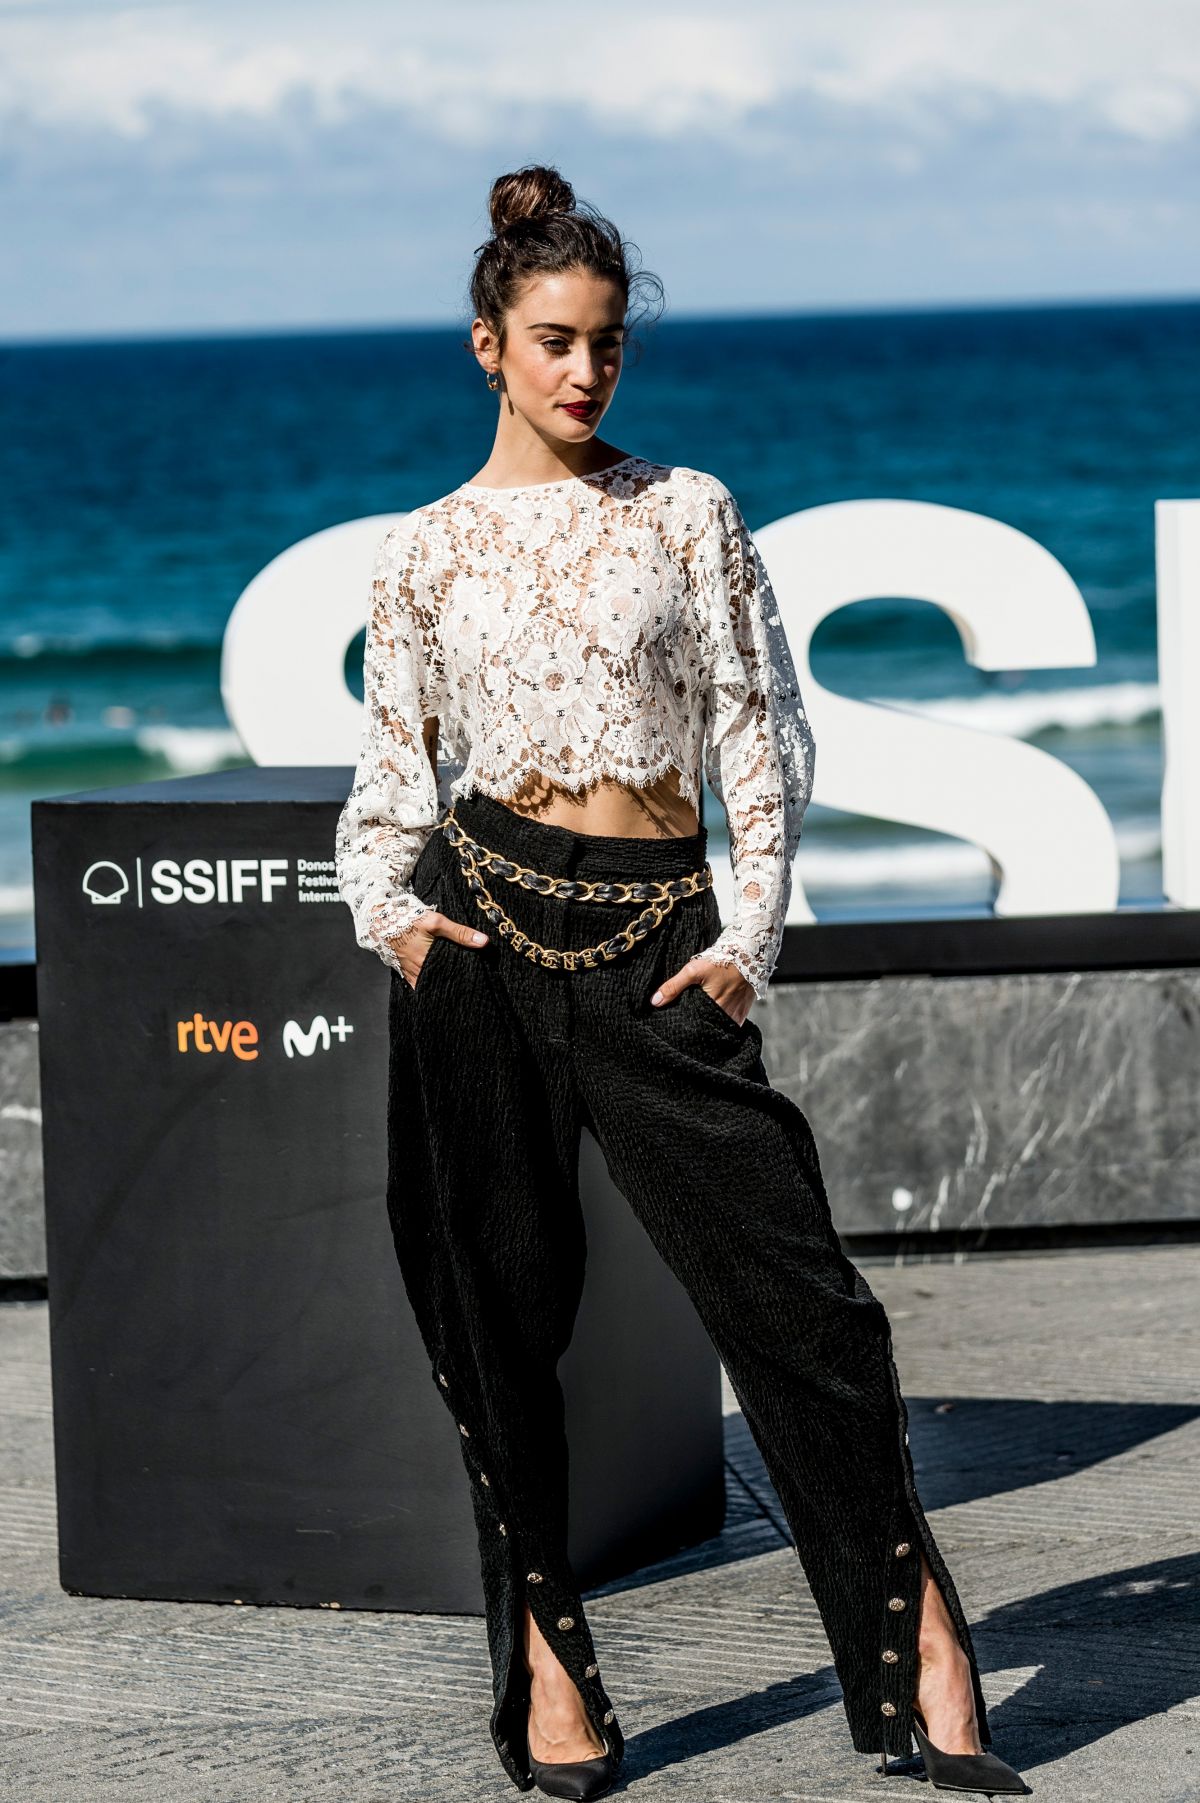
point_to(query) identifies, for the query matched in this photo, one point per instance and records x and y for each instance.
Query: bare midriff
(609, 807)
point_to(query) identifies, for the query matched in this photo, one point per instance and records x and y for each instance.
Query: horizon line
(351, 328)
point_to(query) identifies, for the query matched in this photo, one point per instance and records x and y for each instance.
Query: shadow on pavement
(1109, 1650)
(963, 1451)
(1151, 1609)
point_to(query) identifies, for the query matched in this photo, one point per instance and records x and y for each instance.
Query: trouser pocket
(711, 1006)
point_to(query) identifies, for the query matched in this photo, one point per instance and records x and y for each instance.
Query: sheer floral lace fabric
(619, 624)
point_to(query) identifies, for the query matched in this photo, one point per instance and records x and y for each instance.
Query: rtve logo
(199, 1035)
(241, 1036)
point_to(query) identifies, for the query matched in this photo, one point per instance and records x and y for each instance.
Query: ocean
(145, 484)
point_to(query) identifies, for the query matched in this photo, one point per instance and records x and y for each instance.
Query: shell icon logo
(105, 889)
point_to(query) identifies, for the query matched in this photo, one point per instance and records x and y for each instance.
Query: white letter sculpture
(1177, 535)
(1045, 831)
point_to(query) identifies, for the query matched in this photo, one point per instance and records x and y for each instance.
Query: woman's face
(563, 347)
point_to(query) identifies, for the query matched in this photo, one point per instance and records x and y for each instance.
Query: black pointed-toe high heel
(966, 1771)
(578, 1779)
(581, 1779)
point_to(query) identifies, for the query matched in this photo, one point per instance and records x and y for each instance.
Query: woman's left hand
(724, 982)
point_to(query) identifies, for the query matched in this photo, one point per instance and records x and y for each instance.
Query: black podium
(242, 1406)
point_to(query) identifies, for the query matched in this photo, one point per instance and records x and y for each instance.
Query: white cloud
(1130, 70)
(1156, 110)
(178, 166)
(120, 69)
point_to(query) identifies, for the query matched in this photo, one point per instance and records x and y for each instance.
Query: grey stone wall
(937, 1103)
(22, 1219)
(1012, 1100)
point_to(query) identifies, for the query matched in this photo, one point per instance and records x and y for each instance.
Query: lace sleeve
(392, 806)
(758, 747)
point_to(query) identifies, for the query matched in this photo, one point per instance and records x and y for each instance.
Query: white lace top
(616, 624)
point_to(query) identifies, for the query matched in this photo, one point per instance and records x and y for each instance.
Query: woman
(585, 628)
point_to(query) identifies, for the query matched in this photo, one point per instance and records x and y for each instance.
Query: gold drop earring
(493, 380)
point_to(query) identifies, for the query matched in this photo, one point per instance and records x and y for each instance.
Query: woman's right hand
(412, 948)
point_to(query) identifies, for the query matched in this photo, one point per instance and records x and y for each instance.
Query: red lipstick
(580, 409)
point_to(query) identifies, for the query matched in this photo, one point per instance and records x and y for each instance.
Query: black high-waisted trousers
(495, 1063)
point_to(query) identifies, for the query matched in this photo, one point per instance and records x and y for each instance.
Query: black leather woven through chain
(569, 888)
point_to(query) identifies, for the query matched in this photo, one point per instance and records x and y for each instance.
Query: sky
(178, 168)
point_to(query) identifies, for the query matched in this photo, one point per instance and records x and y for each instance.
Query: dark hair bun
(528, 193)
(539, 229)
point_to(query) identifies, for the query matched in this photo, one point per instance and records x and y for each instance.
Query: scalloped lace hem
(502, 788)
(405, 912)
(718, 953)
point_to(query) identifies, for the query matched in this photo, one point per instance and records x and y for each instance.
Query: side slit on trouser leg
(509, 1582)
(909, 1519)
(509, 1722)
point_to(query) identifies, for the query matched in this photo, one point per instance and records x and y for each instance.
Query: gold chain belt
(661, 894)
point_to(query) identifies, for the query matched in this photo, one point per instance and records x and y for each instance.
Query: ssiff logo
(199, 880)
(241, 1036)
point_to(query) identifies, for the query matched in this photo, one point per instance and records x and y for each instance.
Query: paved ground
(1054, 1404)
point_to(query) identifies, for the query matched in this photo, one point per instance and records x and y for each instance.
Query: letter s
(165, 885)
(1016, 608)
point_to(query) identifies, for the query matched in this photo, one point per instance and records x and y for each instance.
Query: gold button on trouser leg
(897, 1653)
